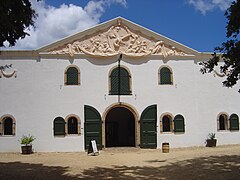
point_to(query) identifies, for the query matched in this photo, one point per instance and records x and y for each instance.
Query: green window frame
(234, 122)
(59, 126)
(165, 76)
(72, 125)
(125, 80)
(179, 124)
(72, 76)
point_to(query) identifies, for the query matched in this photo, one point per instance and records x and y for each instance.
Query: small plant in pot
(211, 140)
(26, 142)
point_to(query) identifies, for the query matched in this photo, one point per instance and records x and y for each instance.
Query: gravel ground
(222, 162)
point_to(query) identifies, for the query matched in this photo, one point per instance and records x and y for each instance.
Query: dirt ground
(222, 162)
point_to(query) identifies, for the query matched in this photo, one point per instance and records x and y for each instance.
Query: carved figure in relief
(140, 47)
(131, 48)
(172, 51)
(79, 46)
(159, 48)
(115, 37)
(106, 47)
(97, 46)
(118, 39)
(71, 50)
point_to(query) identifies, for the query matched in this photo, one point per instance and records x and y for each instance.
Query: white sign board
(94, 146)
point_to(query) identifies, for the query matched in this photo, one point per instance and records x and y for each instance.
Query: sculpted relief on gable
(118, 39)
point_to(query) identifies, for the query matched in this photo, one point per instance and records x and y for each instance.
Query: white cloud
(55, 23)
(205, 6)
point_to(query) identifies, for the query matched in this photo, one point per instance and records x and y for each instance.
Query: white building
(68, 92)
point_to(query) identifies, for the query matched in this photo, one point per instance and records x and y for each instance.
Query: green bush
(27, 140)
(211, 136)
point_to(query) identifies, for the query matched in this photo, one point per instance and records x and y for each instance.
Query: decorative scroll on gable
(9, 73)
(118, 39)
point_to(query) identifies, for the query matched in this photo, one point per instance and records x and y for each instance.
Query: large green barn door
(148, 127)
(92, 126)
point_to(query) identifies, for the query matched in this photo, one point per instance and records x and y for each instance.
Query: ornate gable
(117, 38)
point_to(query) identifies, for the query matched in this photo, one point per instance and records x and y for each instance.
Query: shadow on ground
(214, 167)
(22, 171)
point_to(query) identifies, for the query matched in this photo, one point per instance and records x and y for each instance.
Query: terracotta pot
(26, 149)
(211, 143)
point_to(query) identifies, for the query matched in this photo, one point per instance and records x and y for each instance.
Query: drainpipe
(119, 78)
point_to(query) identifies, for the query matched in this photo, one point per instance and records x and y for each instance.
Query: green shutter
(59, 126)
(165, 76)
(148, 127)
(114, 83)
(179, 125)
(124, 82)
(92, 126)
(72, 76)
(234, 122)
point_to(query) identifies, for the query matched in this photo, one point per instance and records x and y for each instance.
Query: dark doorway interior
(120, 128)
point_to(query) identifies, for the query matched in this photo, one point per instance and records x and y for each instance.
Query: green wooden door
(92, 126)
(148, 127)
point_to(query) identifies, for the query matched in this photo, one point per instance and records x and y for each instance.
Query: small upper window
(72, 76)
(165, 76)
(223, 122)
(120, 80)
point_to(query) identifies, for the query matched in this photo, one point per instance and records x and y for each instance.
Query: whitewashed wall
(38, 95)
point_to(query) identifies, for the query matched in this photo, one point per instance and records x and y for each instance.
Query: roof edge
(101, 26)
(73, 36)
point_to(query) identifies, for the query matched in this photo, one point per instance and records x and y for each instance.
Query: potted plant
(211, 140)
(26, 142)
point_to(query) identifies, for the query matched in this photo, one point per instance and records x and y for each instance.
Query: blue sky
(199, 24)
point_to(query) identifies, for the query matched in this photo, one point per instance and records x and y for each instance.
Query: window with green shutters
(234, 122)
(72, 125)
(120, 77)
(59, 126)
(72, 76)
(179, 125)
(165, 76)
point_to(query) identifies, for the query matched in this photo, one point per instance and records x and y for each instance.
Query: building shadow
(204, 168)
(27, 171)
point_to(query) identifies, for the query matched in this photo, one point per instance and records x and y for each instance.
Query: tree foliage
(229, 51)
(15, 17)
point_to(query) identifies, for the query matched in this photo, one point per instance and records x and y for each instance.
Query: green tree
(229, 51)
(15, 17)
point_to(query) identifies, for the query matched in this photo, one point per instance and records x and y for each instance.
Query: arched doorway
(120, 128)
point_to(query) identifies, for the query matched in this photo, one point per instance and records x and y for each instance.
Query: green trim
(165, 76)
(179, 125)
(234, 122)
